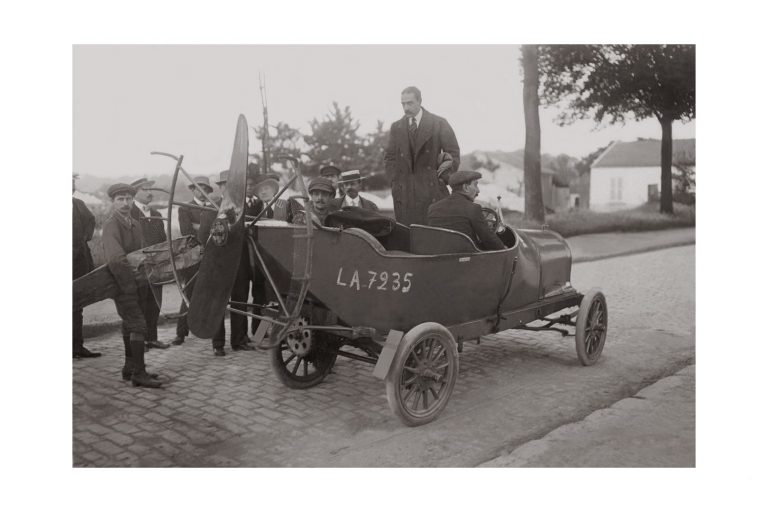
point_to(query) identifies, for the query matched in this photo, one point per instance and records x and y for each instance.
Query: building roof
(646, 153)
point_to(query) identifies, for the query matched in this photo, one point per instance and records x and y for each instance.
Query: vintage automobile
(402, 298)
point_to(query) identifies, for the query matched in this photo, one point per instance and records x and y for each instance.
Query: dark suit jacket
(460, 213)
(365, 204)
(83, 224)
(414, 172)
(119, 239)
(193, 221)
(152, 229)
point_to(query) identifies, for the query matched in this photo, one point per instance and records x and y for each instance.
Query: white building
(628, 174)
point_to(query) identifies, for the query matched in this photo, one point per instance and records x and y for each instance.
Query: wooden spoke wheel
(423, 374)
(591, 327)
(303, 359)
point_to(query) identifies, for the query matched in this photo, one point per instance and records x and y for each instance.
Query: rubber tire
(581, 323)
(323, 361)
(409, 341)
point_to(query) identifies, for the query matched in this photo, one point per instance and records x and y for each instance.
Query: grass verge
(583, 222)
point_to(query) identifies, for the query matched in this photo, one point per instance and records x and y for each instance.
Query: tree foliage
(282, 139)
(613, 82)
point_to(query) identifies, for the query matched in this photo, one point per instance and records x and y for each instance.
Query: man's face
(122, 203)
(320, 200)
(472, 188)
(199, 194)
(265, 191)
(410, 104)
(250, 187)
(143, 196)
(352, 188)
(223, 188)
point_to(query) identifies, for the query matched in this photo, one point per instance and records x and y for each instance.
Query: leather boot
(128, 366)
(140, 377)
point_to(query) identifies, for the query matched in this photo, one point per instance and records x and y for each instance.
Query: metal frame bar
(252, 246)
(174, 270)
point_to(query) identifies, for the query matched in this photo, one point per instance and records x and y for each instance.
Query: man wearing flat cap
(333, 173)
(415, 161)
(83, 224)
(321, 191)
(153, 230)
(349, 186)
(121, 234)
(460, 213)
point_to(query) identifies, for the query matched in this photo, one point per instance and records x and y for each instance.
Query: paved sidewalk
(608, 245)
(654, 428)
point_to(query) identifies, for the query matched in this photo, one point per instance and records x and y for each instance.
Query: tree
(373, 146)
(534, 200)
(612, 82)
(282, 140)
(335, 140)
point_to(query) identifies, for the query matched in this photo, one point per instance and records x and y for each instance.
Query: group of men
(422, 159)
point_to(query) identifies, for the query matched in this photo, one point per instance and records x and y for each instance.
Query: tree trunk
(666, 165)
(534, 202)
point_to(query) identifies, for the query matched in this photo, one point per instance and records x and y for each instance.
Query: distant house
(628, 174)
(507, 181)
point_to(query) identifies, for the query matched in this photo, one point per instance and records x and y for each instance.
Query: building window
(617, 184)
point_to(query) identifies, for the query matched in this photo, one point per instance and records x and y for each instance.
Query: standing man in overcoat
(83, 224)
(415, 161)
(153, 230)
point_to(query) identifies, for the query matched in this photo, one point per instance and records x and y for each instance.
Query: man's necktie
(412, 130)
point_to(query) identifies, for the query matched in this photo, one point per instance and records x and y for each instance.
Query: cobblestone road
(513, 387)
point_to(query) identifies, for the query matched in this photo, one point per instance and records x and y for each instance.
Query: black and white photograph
(350, 274)
(404, 270)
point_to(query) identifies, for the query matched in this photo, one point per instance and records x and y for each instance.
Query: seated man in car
(321, 192)
(460, 213)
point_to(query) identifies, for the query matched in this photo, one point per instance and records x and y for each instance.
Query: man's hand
(445, 167)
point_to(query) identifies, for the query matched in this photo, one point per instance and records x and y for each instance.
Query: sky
(133, 99)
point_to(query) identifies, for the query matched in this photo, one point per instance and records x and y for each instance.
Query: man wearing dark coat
(414, 159)
(153, 230)
(121, 234)
(460, 213)
(247, 278)
(193, 222)
(83, 224)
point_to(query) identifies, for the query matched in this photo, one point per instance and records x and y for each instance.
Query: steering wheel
(491, 218)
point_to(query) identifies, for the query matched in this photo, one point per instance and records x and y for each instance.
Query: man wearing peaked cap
(153, 231)
(460, 213)
(121, 235)
(321, 192)
(332, 173)
(349, 186)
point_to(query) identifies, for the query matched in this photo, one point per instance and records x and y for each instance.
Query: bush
(582, 222)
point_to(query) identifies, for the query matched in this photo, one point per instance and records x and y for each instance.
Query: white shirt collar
(348, 201)
(418, 117)
(142, 207)
(201, 203)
